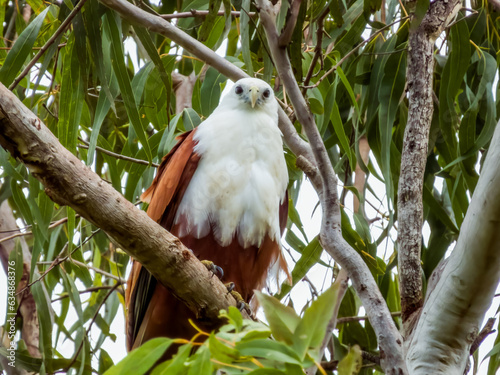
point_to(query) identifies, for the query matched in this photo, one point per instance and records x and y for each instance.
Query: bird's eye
(266, 93)
(238, 90)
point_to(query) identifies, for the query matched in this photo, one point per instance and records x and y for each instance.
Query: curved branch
(390, 340)
(68, 182)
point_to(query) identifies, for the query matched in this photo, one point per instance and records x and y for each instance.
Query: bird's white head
(252, 94)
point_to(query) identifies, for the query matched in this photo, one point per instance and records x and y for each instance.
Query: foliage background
(87, 89)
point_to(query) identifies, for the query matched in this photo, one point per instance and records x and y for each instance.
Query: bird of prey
(222, 191)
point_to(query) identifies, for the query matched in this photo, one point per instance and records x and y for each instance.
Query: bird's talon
(240, 302)
(212, 267)
(230, 287)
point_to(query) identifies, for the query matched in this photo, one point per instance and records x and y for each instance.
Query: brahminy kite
(222, 191)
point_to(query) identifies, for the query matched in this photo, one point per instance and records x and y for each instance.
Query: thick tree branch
(455, 307)
(158, 25)
(390, 340)
(68, 182)
(414, 156)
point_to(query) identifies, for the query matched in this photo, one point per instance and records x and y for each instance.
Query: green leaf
(339, 129)
(390, 92)
(268, 349)
(211, 91)
(335, 12)
(72, 97)
(316, 106)
(311, 254)
(147, 42)
(451, 80)
(201, 364)
(267, 371)
(210, 20)
(177, 365)
(311, 329)
(245, 36)
(234, 316)
(283, 320)
(351, 363)
(420, 11)
(190, 119)
(117, 59)
(21, 49)
(222, 352)
(140, 360)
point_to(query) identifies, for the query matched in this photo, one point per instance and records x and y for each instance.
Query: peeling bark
(414, 156)
(455, 307)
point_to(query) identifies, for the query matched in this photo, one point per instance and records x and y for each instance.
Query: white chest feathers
(240, 181)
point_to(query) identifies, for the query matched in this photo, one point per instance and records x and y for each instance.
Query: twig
(92, 289)
(98, 270)
(52, 39)
(348, 319)
(53, 225)
(370, 357)
(200, 13)
(351, 52)
(286, 35)
(485, 332)
(318, 50)
(33, 48)
(117, 156)
(90, 325)
(314, 290)
(58, 260)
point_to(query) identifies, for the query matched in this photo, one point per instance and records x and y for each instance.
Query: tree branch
(318, 49)
(414, 155)
(201, 14)
(115, 155)
(455, 307)
(183, 88)
(390, 340)
(287, 32)
(68, 182)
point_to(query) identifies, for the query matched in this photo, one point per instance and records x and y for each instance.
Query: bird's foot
(212, 267)
(240, 302)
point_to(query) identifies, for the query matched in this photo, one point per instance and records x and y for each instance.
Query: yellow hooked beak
(254, 94)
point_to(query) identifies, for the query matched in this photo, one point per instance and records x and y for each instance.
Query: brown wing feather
(167, 183)
(174, 174)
